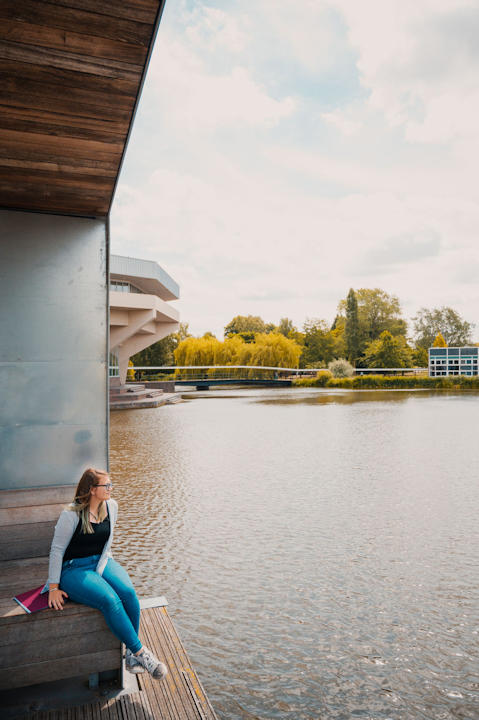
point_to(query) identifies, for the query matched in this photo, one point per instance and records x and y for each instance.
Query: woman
(82, 568)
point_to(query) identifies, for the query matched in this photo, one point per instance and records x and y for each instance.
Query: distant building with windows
(445, 361)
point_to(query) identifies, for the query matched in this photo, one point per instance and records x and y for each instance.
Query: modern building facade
(445, 361)
(140, 314)
(72, 79)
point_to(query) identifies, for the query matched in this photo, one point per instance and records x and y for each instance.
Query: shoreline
(390, 382)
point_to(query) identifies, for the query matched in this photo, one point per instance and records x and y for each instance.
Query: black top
(86, 544)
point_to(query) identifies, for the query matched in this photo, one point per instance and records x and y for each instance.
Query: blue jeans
(112, 593)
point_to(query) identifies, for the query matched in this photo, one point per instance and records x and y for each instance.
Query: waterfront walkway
(180, 696)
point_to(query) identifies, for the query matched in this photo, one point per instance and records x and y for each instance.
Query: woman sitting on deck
(82, 568)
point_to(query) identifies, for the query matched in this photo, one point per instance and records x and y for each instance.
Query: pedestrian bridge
(202, 377)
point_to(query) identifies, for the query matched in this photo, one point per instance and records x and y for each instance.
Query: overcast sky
(287, 150)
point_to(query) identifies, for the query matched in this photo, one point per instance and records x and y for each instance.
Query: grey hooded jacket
(64, 530)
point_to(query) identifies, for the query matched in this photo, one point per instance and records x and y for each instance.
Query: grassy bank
(390, 382)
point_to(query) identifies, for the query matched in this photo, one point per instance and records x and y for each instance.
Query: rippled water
(319, 549)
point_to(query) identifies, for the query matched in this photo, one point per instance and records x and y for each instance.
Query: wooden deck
(180, 696)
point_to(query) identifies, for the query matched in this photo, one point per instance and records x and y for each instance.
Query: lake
(318, 548)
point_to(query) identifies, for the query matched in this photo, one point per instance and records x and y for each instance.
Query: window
(122, 286)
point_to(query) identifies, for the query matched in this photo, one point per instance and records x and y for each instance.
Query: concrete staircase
(136, 395)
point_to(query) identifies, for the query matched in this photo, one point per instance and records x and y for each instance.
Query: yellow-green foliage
(439, 341)
(268, 349)
(391, 382)
(130, 374)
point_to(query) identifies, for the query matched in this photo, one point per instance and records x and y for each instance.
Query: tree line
(368, 330)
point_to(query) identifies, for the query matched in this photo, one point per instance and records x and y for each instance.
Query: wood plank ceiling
(70, 76)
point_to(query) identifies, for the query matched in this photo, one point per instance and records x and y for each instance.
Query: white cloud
(417, 59)
(339, 119)
(190, 97)
(214, 29)
(275, 203)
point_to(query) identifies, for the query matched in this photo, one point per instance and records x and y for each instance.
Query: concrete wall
(53, 348)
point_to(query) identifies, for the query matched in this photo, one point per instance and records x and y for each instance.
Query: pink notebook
(33, 600)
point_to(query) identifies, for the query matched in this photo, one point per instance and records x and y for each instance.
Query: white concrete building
(140, 313)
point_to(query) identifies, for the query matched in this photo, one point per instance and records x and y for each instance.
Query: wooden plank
(171, 630)
(178, 664)
(165, 693)
(16, 165)
(54, 193)
(28, 76)
(36, 496)
(61, 204)
(24, 531)
(110, 709)
(157, 699)
(26, 540)
(22, 572)
(70, 41)
(32, 514)
(58, 669)
(140, 10)
(18, 615)
(30, 547)
(23, 53)
(94, 182)
(65, 18)
(66, 147)
(56, 647)
(26, 93)
(46, 122)
(52, 624)
(190, 680)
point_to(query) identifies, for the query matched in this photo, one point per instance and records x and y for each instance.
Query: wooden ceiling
(70, 76)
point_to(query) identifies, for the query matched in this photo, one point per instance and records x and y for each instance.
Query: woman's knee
(129, 596)
(110, 603)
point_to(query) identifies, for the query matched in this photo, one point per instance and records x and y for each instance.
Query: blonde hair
(81, 501)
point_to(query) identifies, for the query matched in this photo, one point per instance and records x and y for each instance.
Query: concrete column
(53, 349)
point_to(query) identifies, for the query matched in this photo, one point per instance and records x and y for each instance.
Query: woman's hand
(55, 598)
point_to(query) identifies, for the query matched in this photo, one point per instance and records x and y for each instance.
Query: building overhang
(146, 275)
(122, 303)
(72, 74)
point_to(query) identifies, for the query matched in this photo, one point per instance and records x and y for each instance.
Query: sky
(287, 150)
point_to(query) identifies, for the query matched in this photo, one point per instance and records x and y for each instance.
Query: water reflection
(318, 548)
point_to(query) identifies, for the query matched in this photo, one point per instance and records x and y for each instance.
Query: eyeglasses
(108, 486)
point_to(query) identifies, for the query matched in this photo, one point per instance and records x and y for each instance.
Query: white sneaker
(157, 669)
(132, 664)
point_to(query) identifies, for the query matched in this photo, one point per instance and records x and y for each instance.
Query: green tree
(162, 352)
(420, 357)
(183, 332)
(286, 327)
(245, 324)
(428, 323)
(388, 351)
(320, 343)
(439, 341)
(351, 327)
(377, 311)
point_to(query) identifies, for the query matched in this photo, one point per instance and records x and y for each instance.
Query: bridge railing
(220, 372)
